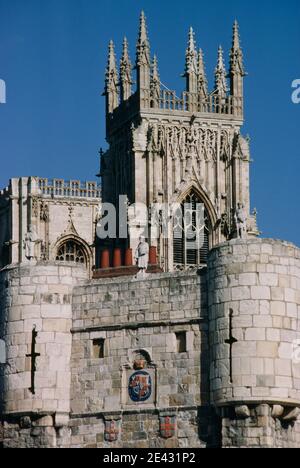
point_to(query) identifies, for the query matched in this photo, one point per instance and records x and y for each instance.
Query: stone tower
(166, 150)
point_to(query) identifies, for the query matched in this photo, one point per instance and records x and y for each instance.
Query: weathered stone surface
(242, 412)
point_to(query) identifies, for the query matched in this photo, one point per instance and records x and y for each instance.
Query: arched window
(71, 251)
(191, 233)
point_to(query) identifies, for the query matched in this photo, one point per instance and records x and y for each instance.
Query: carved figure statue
(29, 243)
(241, 221)
(142, 256)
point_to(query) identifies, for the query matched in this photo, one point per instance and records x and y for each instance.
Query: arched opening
(191, 233)
(71, 251)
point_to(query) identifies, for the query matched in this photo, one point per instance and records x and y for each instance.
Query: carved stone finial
(125, 73)
(202, 80)
(111, 80)
(220, 75)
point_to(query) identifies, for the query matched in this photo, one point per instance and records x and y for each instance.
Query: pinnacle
(111, 55)
(155, 72)
(125, 55)
(220, 64)
(191, 41)
(143, 37)
(236, 36)
(200, 61)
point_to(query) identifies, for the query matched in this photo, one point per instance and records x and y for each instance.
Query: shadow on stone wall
(209, 423)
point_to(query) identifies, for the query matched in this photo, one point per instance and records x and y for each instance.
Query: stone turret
(254, 340)
(36, 322)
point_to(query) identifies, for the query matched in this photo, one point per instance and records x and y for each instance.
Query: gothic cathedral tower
(166, 150)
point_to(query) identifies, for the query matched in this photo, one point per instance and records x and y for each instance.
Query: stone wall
(36, 298)
(215, 354)
(260, 426)
(140, 317)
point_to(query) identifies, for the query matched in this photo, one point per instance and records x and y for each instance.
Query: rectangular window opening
(181, 342)
(98, 348)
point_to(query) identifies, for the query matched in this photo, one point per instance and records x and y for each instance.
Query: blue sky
(53, 56)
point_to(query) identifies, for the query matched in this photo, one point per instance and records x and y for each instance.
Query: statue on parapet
(240, 218)
(30, 241)
(142, 257)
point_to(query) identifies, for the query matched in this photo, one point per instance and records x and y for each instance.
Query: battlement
(69, 189)
(57, 188)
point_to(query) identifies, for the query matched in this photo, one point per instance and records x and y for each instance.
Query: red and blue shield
(140, 386)
(167, 426)
(112, 430)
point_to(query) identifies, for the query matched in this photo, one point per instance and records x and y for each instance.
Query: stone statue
(29, 243)
(241, 221)
(142, 256)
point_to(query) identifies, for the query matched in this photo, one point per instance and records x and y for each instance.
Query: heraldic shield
(140, 386)
(112, 431)
(167, 426)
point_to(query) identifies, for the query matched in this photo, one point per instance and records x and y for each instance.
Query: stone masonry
(205, 354)
(249, 397)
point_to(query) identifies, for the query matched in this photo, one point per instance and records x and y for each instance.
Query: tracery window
(71, 251)
(191, 233)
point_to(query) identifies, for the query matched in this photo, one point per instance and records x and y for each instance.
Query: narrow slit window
(181, 342)
(98, 348)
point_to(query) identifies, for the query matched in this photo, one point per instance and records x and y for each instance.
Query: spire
(143, 46)
(202, 80)
(111, 66)
(220, 75)
(236, 36)
(143, 63)
(191, 64)
(236, 54)
(143, 36)
(111, 80)
(191, 43)
(191, 54)
(155, 83)
(125, 73)
(237, 72)
(125, 56)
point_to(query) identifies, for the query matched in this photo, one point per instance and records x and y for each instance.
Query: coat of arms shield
(112, 430)
(140, 386)
(167, 426)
